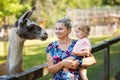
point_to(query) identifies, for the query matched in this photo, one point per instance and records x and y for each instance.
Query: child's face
(79, 33)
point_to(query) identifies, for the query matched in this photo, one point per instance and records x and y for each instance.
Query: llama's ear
(26, 15)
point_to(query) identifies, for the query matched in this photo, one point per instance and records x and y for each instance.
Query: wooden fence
(41, 70)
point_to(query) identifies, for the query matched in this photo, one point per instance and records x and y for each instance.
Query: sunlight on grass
(39, 42)
(35, 53)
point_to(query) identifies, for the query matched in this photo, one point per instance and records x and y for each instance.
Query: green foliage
(113, 2)
(8, 7)
(11, 7)
(50, 10)
(55, 9)
(21, 10)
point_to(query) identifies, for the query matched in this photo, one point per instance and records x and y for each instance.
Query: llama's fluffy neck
(15, 57)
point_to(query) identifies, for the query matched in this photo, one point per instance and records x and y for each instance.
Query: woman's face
(79, 33)
(61, 30)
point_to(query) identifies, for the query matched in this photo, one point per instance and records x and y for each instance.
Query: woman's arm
(53, 68)
(87, 61)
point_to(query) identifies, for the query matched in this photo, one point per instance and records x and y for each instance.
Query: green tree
(10, 8)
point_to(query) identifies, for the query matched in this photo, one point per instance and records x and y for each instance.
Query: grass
(34, 54)
(95, 72)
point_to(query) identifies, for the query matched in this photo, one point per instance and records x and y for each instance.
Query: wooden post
(106, 63)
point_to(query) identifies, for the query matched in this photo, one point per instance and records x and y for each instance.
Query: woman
(59, 52)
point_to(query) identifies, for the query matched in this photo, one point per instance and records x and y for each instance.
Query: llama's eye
(30, 28)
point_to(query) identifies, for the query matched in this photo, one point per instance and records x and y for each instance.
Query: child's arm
(82, 48)
(86, 52)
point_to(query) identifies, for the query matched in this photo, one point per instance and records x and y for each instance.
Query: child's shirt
(81, 45)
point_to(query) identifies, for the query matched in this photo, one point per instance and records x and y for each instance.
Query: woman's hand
(75, 64)
(67, 63)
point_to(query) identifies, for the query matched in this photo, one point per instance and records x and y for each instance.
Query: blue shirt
(58, 55)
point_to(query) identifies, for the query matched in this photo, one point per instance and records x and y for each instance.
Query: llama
(22, 30)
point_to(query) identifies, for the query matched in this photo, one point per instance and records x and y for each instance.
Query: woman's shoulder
(51, 46)
(52, 43)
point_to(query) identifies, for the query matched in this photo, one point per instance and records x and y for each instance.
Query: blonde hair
(83, 26)
(66, 20)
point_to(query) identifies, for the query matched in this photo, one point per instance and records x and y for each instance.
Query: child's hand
(88, 54)
(75, 53)
(67, 63)
(74, 64)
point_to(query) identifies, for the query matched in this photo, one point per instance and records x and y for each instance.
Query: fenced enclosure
(101, 20)
(95, 15)
(41, 70)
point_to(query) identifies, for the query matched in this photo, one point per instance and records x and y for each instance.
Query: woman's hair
(83, 26)
(66, 20)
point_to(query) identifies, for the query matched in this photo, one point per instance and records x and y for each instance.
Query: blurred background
(103, 16)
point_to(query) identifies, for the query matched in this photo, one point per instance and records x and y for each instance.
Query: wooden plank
(33, 73)
(105, 44)
(30, 74)
(8, 77)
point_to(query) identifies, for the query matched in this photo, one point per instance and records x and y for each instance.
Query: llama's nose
(45, 36)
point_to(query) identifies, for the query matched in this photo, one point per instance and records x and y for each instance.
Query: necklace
(64, 42)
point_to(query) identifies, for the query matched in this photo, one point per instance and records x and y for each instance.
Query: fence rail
(41, 70)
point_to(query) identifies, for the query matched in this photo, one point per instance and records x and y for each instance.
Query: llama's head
(28, 29)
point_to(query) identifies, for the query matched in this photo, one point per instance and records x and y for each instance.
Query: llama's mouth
(43, 38)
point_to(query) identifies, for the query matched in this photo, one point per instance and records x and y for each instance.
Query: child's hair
(66, 20)
(83, 26)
